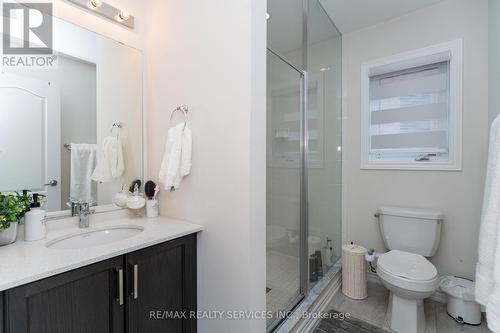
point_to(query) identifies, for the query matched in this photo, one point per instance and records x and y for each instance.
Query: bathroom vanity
(131, 285)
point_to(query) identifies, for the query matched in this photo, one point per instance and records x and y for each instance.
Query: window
(411, 110)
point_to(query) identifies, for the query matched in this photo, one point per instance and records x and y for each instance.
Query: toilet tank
(412, 230)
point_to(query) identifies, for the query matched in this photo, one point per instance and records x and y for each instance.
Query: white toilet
(410, 235)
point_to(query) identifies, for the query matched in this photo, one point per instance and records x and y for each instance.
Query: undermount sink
(94, 237)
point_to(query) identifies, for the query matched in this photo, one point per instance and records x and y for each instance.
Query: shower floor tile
(282, 280)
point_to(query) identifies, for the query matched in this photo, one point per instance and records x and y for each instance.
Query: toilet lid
(407, 265)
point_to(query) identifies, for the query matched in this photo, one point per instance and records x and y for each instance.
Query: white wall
(457, 194)
(210, 55)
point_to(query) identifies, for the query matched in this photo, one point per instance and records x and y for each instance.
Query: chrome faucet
(74, 205)
(84, 213)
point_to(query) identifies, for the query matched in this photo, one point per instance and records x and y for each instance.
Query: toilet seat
(408, 271)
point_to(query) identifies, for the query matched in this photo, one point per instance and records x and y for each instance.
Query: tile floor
(282, 280)
(373, 311)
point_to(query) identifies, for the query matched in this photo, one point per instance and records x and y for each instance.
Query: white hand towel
(110, 162)
(82, 166)
(176, 162)
(487, 287)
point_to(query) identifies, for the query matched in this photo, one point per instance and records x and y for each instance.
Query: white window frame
(427, 55)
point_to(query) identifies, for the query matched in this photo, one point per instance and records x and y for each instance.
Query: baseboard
(438, 296)
(319, 306)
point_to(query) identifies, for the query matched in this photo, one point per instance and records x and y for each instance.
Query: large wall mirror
(74, 131)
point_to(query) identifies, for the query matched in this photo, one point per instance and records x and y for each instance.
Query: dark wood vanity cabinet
(162, 288)
(82, 300)
(135, 293)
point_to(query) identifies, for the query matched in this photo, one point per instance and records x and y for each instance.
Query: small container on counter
(121, 198)
(152, 208)
(136, 201)
(151, 190)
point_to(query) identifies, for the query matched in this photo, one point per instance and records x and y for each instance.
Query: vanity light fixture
(102, 8)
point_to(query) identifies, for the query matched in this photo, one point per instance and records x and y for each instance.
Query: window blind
(409, 113)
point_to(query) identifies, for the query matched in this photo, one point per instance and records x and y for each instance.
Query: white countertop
(23, 262)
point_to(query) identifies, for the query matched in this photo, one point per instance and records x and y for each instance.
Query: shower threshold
(307, 302)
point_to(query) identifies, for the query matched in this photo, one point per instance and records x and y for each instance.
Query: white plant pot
(9, 235)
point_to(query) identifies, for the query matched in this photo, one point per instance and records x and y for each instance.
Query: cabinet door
(85, 300)
(161, 285)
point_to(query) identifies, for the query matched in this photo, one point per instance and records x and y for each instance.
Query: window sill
(423, 166)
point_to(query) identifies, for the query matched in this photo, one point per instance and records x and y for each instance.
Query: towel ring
(184, 109)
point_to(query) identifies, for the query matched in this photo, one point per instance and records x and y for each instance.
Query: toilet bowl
(410, 279)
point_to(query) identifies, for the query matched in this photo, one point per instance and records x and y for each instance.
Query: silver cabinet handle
(136, 277)
(120, 286)
(53, 182)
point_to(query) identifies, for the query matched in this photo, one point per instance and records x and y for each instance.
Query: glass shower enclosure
(303, 152)
(286, 181)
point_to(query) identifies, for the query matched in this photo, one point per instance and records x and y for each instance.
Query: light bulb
(124, 15)
(94, 4)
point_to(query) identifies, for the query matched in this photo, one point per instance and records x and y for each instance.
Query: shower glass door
(324, 68)
(285, 133)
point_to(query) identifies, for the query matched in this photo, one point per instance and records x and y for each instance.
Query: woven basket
(354, 272)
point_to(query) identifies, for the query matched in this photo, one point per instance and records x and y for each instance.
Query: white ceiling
(351, 15)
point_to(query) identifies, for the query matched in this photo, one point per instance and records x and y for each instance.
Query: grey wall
(457, 194)
(77, 81)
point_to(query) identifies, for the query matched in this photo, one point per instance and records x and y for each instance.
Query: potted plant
(13, 206)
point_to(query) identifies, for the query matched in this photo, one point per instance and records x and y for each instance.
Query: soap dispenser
(34, 221)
